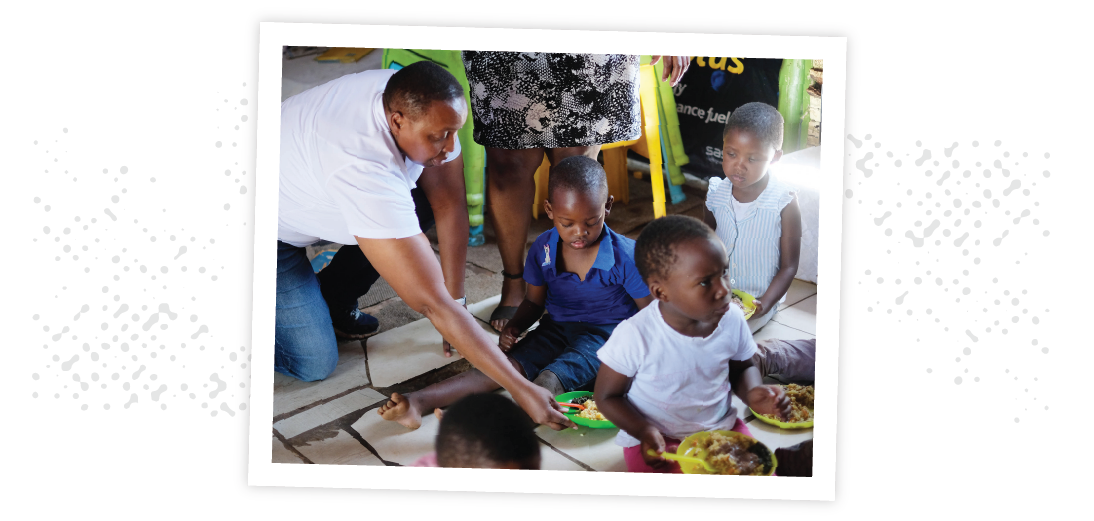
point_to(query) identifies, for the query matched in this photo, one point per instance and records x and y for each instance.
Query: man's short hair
(412, 89)
(759, 119)
(486, 431)
(578, 174)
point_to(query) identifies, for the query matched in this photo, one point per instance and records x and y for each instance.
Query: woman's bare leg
(510, 191)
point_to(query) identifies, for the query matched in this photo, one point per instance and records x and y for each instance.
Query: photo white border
(273, 36)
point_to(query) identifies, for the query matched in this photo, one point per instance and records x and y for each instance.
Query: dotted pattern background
(956, 221)
(150, 342)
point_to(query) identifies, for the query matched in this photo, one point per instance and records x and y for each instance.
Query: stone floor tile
(342, 449)
(327, 412)
(291, 394)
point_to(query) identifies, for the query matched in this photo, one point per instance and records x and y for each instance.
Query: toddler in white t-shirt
(667, 372)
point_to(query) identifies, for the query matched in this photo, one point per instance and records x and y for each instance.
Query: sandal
(505, 312)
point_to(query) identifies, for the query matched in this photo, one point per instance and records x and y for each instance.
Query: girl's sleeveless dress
(551, 100)
(753, 244)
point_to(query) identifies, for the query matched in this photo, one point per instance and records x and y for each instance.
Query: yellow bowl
(785, 425)
(746, 299)
(689, 447)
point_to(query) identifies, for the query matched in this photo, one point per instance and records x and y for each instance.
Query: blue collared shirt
(607, 294)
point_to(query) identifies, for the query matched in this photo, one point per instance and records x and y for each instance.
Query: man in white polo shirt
(369, 159)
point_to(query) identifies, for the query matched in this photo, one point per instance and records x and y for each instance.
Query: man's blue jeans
(304, 343)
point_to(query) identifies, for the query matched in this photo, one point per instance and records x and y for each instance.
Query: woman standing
(526, 105)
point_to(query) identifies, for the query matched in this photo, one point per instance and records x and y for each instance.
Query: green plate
(592, 424)
(688, 448)
(746, 299)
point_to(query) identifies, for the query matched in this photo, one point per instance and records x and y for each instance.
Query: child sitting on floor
(667, 372)
(755, 216)
(484, 431)
(582, 272)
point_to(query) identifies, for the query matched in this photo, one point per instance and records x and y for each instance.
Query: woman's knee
(512, 167)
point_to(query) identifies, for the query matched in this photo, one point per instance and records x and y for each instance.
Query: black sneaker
(353, 324)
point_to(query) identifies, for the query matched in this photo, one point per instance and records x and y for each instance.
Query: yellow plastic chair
(615, 154)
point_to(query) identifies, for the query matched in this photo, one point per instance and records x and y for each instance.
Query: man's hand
(769, 399)
(541, 407)
(674, 67)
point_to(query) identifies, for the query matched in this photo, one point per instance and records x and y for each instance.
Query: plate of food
(744, 301)
(728, 452)
(590, 416)
(801, 408)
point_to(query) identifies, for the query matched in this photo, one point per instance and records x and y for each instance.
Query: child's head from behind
(578, 200)
(684, 263)
(487, 431)
(751, 141)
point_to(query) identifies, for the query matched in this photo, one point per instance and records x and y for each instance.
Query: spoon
(687, 459)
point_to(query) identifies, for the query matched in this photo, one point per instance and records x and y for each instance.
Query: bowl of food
(744, 301)
(801, 409)
(590, 416)
(729, 452)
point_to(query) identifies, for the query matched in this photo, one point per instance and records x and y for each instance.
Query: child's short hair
(485, 431)
(413, 88)
(655, 249)
(579, 174)
(759, 119)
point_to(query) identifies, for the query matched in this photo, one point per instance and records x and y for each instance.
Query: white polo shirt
(341, 173)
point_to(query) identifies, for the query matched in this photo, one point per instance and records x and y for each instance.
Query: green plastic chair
(474, 155)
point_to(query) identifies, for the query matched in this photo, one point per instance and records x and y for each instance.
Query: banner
(710, 90)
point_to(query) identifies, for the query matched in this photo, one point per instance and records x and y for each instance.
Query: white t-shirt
(341, 173)
(680, 383)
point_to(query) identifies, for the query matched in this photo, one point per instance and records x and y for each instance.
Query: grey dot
(114, 199)
(47, 207)
(163, 269)
(243, 101)
(242, 190)
(1046, 155)
(847, 193)
(125, 170)
(967, 351)
(1044, 350)
(105, 289)
(929, 370)
(227, 206)
(106, 406)
(218, 144)
(1016, 420)
(957, 380)
(244, 118)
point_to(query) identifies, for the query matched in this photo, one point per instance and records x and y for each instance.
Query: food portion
(740, 303)
(731, 454)
(801, 404)
(590, 412)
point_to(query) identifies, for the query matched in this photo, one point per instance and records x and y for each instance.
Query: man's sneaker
(353, 324)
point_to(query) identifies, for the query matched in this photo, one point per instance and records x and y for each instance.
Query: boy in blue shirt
(581, 272)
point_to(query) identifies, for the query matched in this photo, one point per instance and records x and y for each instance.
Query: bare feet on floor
(402, 410)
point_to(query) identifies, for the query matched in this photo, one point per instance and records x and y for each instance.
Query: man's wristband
(462, 301)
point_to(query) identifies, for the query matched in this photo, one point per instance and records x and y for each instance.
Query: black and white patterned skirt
(549, 100)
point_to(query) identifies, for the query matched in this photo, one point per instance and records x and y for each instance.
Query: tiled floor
(334, 422)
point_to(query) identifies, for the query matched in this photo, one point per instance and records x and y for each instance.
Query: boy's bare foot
(402, 410)
(438, 413)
